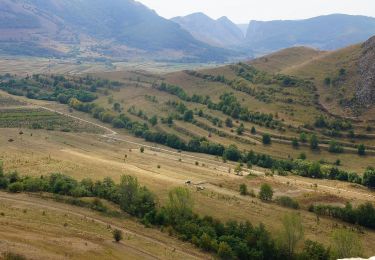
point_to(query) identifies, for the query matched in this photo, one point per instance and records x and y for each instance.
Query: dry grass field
(43, 229)
(138, 85)
(83, 155)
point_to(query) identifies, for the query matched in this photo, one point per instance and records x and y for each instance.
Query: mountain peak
(221, 32)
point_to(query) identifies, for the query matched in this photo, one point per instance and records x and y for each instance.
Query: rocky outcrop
(365, 92)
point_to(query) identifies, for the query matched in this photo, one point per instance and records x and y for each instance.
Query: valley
(127, 134)
(97, 149)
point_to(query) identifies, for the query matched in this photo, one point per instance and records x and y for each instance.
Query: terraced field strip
(39, 118)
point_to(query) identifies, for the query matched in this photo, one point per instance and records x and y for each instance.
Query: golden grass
(43, 229)
(83, 155)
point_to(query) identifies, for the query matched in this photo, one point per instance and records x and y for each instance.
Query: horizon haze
(243, 11)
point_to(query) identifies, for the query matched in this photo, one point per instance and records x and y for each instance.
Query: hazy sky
(242, 11)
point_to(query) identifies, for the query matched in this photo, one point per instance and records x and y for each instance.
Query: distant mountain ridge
(111, 27)
(327, 32)
(126, 30)
(221, 32)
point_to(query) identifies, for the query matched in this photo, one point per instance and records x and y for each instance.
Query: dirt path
(40, 203)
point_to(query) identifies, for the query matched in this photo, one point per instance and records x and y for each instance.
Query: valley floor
(215, 190)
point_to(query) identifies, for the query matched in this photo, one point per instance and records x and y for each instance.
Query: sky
(242, 11)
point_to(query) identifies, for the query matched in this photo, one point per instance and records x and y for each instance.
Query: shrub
(253, 130)
(314, 170)
(243, 190)
(369, 177)
(36, 126)
(315, 251)
(302, 156)
(229, 122)
(15, 187)
(13, 256)
(295, 143)
(288, 202)
(266, 139)
(117, 235)
(188, 116)
(232, 153)
(361, 149)
(240, 129)
(266, 192)
(334, 147)
(314, 142)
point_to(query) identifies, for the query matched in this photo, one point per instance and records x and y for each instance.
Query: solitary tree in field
(117, 235)
(292, 233)
(346, 244)
(266, 139)
(253, 130)
(266, 192)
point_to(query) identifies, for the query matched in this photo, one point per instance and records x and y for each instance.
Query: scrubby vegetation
(363, 215)
(228, 104)
(231, 240)
(288, 202)
(56, 88)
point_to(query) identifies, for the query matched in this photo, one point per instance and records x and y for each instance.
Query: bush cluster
(363, 215)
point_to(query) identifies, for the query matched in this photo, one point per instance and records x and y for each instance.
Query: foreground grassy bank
(231, 240)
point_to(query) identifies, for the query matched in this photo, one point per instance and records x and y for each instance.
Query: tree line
(363, 215)
(228, 104)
